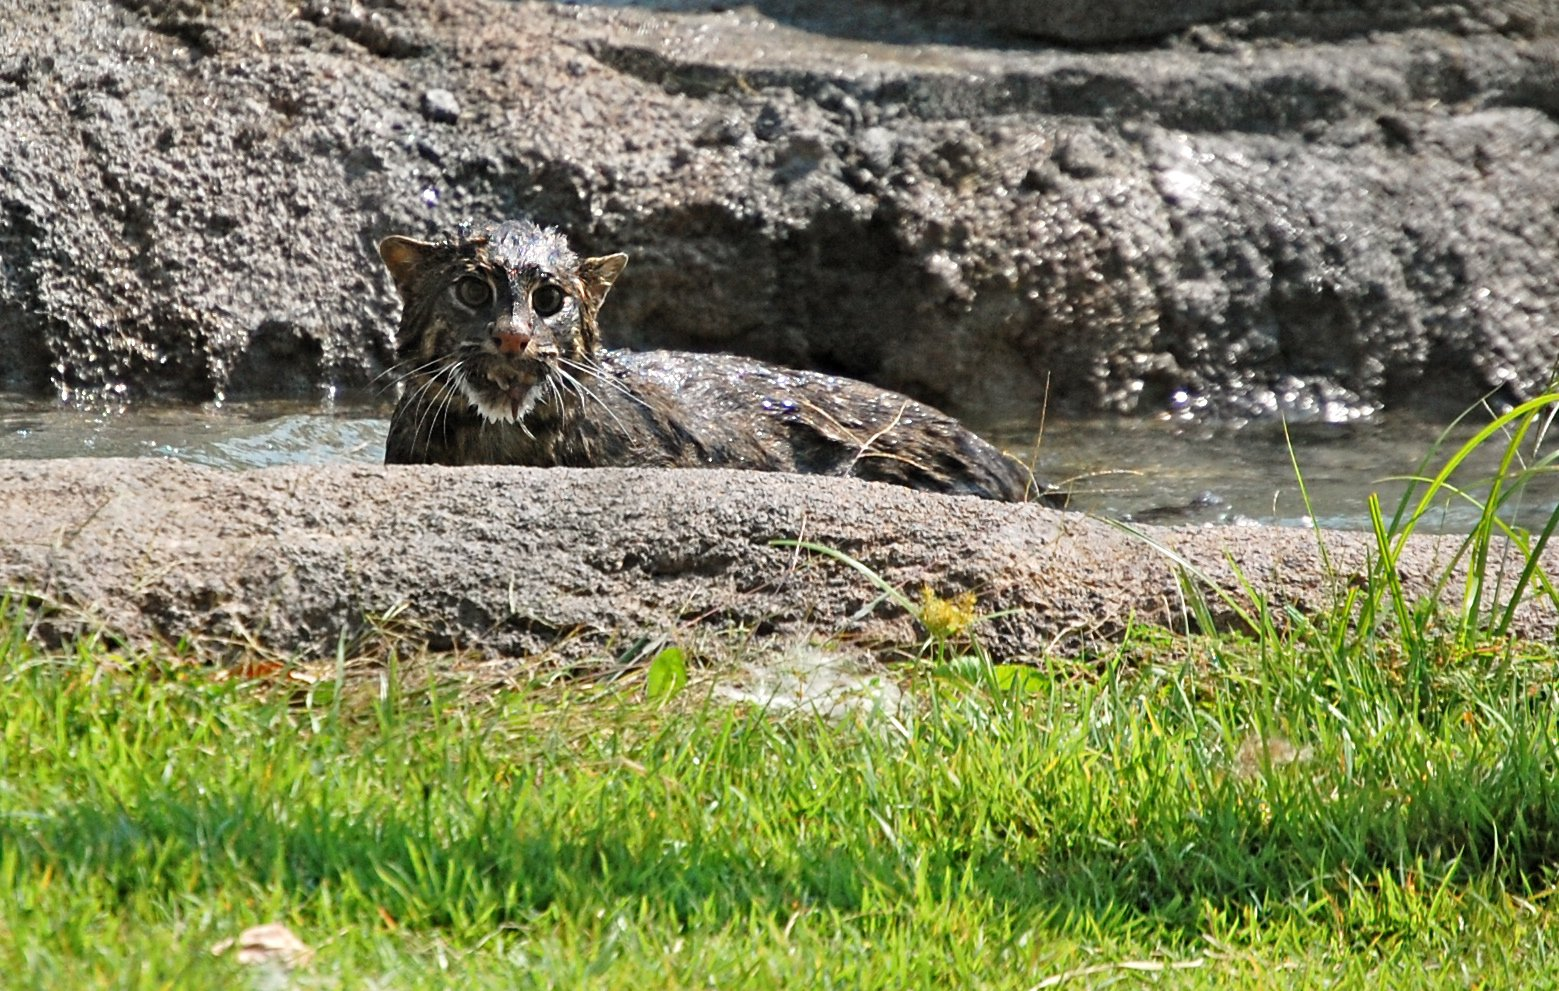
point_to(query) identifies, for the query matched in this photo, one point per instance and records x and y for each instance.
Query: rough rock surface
(1242, 217)
(515, 561)
(1107, 21)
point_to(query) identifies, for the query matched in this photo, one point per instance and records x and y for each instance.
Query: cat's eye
(473, 292)
(546, 300)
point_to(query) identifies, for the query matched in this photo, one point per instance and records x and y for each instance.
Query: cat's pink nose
(510, 342)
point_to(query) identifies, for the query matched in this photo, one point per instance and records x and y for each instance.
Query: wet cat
(500, 354)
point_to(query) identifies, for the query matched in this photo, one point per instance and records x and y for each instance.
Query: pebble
(440, 106)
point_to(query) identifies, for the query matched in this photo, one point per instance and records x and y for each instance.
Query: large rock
(190, 194)
(1108, 21)
(515, 561)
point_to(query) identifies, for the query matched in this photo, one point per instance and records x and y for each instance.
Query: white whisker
(592, 372)
(587, 395)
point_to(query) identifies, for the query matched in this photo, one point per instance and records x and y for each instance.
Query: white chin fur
(502, 411)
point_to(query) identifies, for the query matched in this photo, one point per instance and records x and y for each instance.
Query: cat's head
(491, 313)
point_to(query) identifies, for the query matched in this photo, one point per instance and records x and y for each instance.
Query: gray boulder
(1113, 21)
(1229, 220)
(514, 562)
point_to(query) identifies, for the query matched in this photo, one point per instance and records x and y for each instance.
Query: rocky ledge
(514, 562)
(1241, 206)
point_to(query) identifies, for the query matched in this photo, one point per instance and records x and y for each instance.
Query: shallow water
(1152, 470)
(1177, 472)
(233, 435)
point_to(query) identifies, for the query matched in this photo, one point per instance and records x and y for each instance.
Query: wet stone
(877, 146)
(440, 106)
(1123, 209)
(770, 123)
(729, 130)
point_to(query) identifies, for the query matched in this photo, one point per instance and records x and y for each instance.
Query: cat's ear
(403, 256)
(598, 275)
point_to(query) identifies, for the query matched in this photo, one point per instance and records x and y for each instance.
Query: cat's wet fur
(500, 356)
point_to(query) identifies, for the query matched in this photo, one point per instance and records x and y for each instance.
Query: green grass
(1115, 819)
(1364, 798)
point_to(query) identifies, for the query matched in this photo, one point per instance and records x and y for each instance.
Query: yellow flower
(943, 618)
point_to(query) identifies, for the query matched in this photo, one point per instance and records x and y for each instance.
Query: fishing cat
(500, 353)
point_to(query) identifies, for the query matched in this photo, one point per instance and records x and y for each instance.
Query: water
(234, 435)
(1154, 470)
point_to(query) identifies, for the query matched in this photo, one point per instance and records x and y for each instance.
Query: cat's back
(816, 423)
